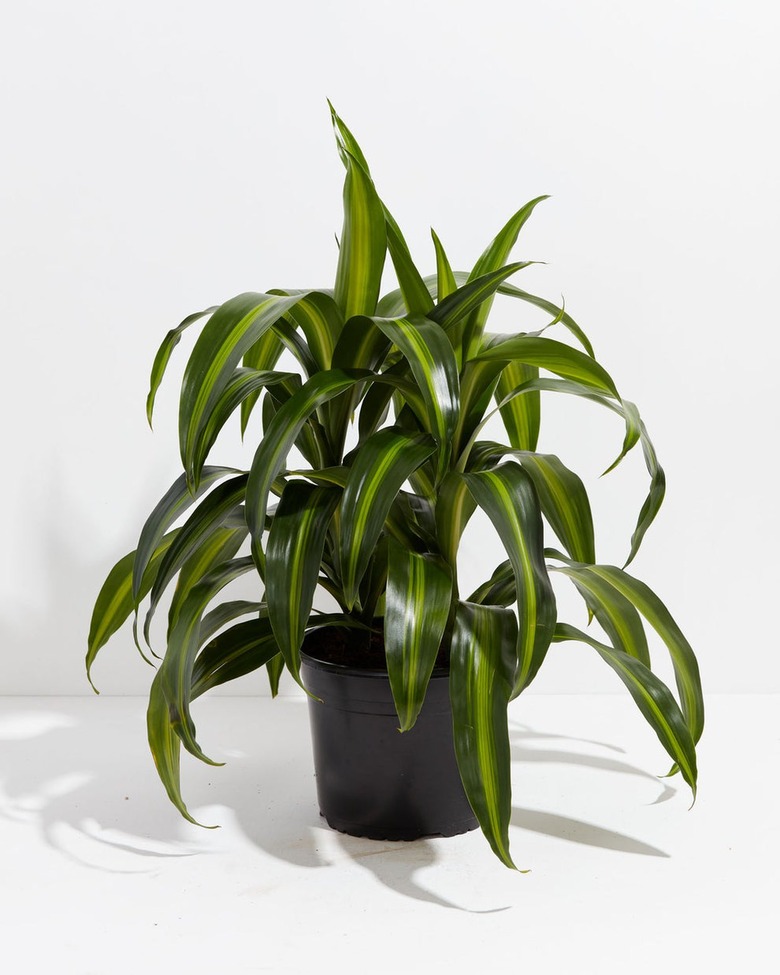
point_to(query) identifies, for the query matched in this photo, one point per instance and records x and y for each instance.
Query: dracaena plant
(386, 406)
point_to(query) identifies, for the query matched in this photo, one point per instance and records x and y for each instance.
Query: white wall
(163, 156)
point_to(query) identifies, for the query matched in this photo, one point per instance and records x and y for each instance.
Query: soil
(354, 648)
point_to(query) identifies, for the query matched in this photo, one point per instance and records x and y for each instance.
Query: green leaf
(196, 532)
(243, 648)
(445, 279)
(230, 332)
(482, 661)
(274, 669)
(558, 313)
(653, 698)
(417, 606)
(280, 435)
(115, 601)
(507, 495)
(220, 546)
(433, 365)
(686, 669)
(363, 243)
(176, 670)
(522, 414)
(468, 297)
(553, 356)
(378, 472)
(499, 590)
(243, 385)
(160, 364)
(293, 557)
(176, 500)
(564, 502)
(165, 747)
(318, 316)
(262, 356)
(454, 506)
(492, 258)
(225, 613)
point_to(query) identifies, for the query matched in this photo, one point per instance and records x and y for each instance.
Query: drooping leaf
(293, 558)
(686, 668)
(163, 356)
(115, 601)
(482, 660)
(220, 546)
(204, 521)
(378, 472)
(165, 747)
(235, 652)
(468, 297)
(653, 698)
(318, 317)
(262, 356)
(454, 506)
(554, 356)
(417, 605)
(176, 670)
(507, 495)
(230, 332)
(176, 500)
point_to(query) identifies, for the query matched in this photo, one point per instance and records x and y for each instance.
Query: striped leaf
(445, 279)
(220, 546)
(564, 502)
(686, 669)
(521, 414)
(225, 613)
(166, 747)
(499, 590)
(378, 472)
(554, 356)
(417, 606)
(416, 298)
(176, 670)
(482, 660)
(243, 648)
(262, 356)
(615, 614)
(230, 332)
(318, 317)
(293, 557)
(115, 601)
(468, 297)
(652, 697)
(433, 365)
(274, 668)
(507, 495)
(243, 385)
(491, 259)
(454, 507)
(196, 532)
(558, 313)
(163, 356)
(176, 500)
(363, 243)
(280, 435)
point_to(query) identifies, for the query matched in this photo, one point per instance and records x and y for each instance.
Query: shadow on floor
(80, 774)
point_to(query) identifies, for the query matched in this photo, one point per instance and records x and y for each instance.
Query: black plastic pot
(372, 780)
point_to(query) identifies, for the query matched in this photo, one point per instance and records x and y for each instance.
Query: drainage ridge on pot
(372, 779)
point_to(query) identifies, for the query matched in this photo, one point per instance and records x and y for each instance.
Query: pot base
(395, 835)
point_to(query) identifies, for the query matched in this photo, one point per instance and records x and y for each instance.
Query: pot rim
(348, 671)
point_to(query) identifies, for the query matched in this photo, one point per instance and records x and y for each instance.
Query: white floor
(99, 875)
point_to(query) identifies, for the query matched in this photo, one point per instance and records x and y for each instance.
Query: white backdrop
(160, 157)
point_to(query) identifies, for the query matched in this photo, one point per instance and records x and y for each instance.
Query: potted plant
(386, 408)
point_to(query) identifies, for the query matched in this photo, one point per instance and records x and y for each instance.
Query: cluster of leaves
(419, 375)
